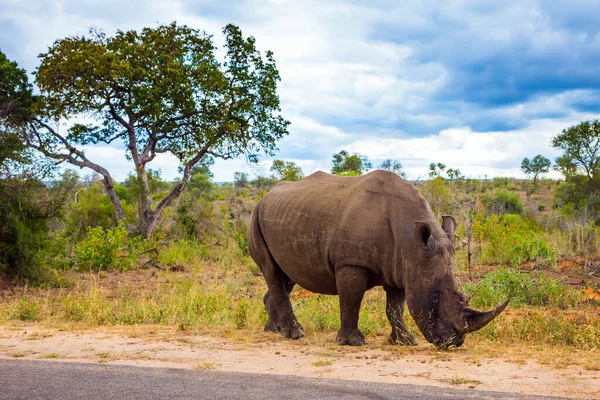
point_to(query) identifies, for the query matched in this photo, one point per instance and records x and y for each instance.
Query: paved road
(27, 379)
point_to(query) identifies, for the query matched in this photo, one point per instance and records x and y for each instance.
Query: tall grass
(185, 304)
(576, 329)
(577, 240)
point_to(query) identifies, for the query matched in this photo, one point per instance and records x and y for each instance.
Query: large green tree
(581, 151)
(344, 163)
(159, 90)
(535, 167)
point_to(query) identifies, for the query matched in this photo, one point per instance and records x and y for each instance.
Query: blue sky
(477, 85)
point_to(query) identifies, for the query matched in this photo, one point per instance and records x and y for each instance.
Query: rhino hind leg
(277, 299)
(278, 304)
(395, 312)
(273, 323)
(351, 286)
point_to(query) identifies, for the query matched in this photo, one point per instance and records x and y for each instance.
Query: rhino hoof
(404, 340)
(356, 338)
(296, 332)
(271, 327)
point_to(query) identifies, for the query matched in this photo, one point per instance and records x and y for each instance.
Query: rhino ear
(449, 226)
(424, 237)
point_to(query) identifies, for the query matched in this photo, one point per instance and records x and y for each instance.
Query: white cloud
(476, 154)
(476, 86)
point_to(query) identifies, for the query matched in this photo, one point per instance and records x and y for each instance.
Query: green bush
(531, 247)
(91, 208)
(26, 310)
(503, 203)
(521, 288)
(512, 239)
(182, 252)
(574, 191)
(23, 234)
(102, 248)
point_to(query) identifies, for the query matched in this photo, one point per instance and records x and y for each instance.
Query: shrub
(182, 252)
(26, 310)
(512, 239)
(503, 203)
(101, 249)
(531, 247)
(91, 208)
(25, 209)
(521, 288)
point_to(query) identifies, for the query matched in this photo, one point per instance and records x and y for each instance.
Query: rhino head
(433, 297)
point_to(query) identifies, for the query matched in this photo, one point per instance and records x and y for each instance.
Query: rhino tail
(259, 251)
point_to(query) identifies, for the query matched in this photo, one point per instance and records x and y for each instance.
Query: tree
(436, 170)
(287, 170)
(16, 98)
(201, 179)
(240, 179)
(264, 182)
(160, 90)
(466, 205)
(454, 174)
(345, 164)
(26, 204)
(581, 151)
(536, 166)
(394, 166)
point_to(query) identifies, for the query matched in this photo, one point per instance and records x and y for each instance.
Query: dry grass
(206, 365)
(222, 297)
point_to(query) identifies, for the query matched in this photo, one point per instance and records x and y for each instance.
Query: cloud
(501, 52)
(473, 83)
(476, 154)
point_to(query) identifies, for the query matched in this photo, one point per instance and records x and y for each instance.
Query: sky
(476, 85)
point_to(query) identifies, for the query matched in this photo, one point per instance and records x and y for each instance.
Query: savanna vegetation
(78, 247)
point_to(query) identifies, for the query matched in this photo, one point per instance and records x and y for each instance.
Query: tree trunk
(32, 139)
(469, 253)
(152, 218)
(146, 213)
(112, 195)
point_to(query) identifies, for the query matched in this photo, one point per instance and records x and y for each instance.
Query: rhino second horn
(477, 319)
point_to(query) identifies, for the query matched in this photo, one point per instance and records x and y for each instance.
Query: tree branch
(83, 161)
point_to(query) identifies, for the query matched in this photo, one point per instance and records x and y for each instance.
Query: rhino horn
(477, 319)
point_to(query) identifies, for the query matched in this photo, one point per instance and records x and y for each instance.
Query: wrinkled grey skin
(345, 235)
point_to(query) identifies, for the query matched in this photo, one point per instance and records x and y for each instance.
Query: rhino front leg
(395, 312)
(351, 285)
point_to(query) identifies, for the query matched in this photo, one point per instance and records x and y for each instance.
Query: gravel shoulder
(268, 354)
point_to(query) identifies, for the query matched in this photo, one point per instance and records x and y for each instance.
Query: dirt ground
(267, 354)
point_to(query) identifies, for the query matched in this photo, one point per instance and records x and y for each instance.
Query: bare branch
(223, 156)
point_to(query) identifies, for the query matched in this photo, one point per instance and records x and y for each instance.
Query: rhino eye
(434, 299)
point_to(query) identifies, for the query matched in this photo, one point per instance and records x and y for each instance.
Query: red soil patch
(302, 294)
(592, 294)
